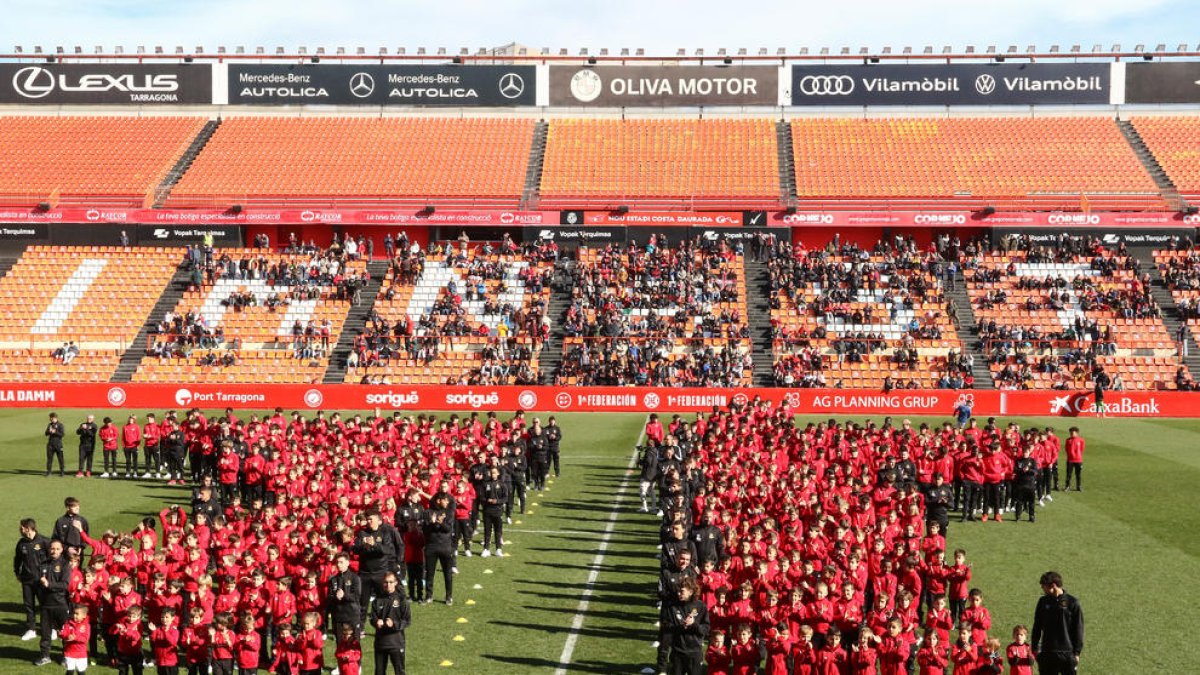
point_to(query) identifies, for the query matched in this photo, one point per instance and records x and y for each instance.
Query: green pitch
(1128, 547)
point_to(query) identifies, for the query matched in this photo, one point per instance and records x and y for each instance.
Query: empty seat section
(671, 162)
(96, 297)
(114, 161)
(1011, 162)
(355, 161)
(1175, 143)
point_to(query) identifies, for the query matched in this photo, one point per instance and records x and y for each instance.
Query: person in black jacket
(553, 439)
(65, 530)
(687, 626)
(708, 540)
(343, 595)
(494, 496)
(390, 615)
(54, 575)
(32, 550)
(1026, 472)
(539, 456)
(1057, 628)
(174, 448)
(87, 445)
(476, 475)
(648, 464)
(938, 501)
(517, 468)
(54, 444)
(439, 545)
(379, 549)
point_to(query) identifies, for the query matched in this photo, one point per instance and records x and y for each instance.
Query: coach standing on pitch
(1057, 628)
(54, 444)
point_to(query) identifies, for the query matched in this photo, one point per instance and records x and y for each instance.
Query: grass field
(1128, 547)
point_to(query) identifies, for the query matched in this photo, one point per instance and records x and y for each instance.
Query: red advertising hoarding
(588, 399)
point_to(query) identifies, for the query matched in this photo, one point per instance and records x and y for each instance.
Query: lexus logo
(826, 85)
(586, 86)
(985, 84)
(362, 85)
(33, 82)
(512, 85)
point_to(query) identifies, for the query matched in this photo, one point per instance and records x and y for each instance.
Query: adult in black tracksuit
(344, 595)
(1026, 472)
(938, 501)
(174, 447)
(517, 468)
(539, 457)
(476, 475)
(1057, 637)
(87, 444)
(439, 544)
(54, 444)
(390, 616)
(32, 550)
(687, 626)
(54, 575)
(494, 497)
(553, 439)
(379, 549)
(669, 582)
(708, 540)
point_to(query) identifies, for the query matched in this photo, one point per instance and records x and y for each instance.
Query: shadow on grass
(528, 664)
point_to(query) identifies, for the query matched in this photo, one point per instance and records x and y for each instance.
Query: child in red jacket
(164, 643)
(978, 615)
(311, 645)
(744, 653)
(131, 439)
(349, 652)
(1019, 653)
(804, 654)
(414, 560)
(128, 632)
(195, 642)
(778, 644)
(222, 641)
(934, 657)
(832, 659)
(717, 655)
(894, 650)
(864, 654)
(287, 659)
(75, 635)
(965, 654)
(246, 650)
(109, 435)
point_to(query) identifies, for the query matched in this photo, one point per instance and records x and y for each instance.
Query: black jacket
(494, 494)
(58, 574)
(709, 543)
(347, 609)
(30, 554)
(1058, 625)
(685, 638)
(87, 435)
(1026, 470)
(396, 608)
(553, 436)
(439, 529)
(64, 530)
(382, 553)
(937, 503)
(54, 435)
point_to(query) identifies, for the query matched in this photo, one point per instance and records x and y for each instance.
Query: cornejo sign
(92, 83)
(952, 84)
(447, 85)
(638, 86)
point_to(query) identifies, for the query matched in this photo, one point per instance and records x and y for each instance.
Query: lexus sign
(100, 83)
(951, 84)
(425, 85)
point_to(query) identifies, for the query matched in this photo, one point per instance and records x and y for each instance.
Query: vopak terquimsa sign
(952, 84)
(650, 86)
(104, 83)
(332, 84)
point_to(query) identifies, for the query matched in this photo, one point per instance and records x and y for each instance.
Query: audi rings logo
(362, 85)
(33, 82)
(512, 85)
(527, 400)
(826, 85)
(563, 400)
(985, 84)
(586, 86)
(117, 396)
(313, 398)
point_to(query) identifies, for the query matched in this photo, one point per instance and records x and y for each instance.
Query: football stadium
(542, 360)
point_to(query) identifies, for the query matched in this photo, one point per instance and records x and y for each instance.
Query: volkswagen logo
(33, 82)
(362, 85)
(826, 85)
(985, 84)
(586, 86)
(512, 85)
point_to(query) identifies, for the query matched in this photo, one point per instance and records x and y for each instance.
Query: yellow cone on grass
(461, 619)
(459, 638)
(446, 664)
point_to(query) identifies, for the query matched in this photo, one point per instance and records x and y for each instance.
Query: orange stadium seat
(1063, 163)
(1173, 142)
(112, 161)
(673, 162)
(357, 161)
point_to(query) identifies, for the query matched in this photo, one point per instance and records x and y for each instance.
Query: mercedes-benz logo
(826, 85)
(512, 85)
(985, 84)
(33, 82)
(362, 85)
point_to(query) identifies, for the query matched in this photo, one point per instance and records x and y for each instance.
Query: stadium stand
(254, 316)
(667, 163)
(463, 313)
(879, 319)
(1059, 163)
(1055, 317)
(658, 316)
(1172, 140)
(94, 161)
(334, 161)
(68, 312)
(1180, 271)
